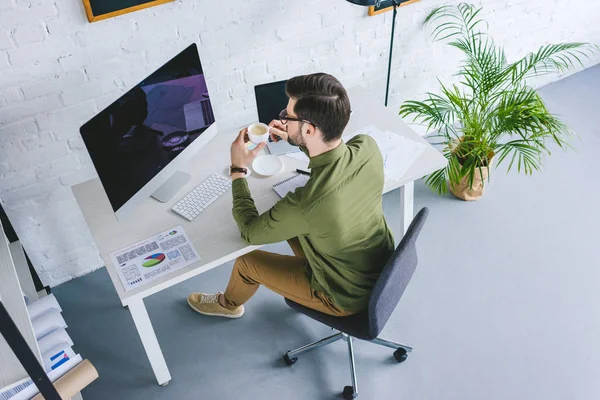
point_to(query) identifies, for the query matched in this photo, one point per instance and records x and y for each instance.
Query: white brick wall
(57, 70)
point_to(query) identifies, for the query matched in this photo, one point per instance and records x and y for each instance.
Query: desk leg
(149, 341)
(407, 196)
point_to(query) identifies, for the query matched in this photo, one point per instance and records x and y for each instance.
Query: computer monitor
(138, 143)
(270, 100)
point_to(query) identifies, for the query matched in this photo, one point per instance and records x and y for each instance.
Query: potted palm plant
(492, 115)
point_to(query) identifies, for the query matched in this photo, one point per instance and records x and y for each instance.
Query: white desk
(214, 232)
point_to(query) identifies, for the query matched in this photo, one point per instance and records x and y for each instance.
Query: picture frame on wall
(97, 10)
(387, 5)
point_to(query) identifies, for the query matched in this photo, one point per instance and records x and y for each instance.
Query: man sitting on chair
(334, 225)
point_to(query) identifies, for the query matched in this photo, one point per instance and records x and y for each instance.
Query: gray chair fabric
(385, 295)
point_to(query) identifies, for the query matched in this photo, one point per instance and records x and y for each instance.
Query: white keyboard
(196, 201)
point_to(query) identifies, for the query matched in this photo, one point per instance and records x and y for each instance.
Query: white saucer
(267, 165)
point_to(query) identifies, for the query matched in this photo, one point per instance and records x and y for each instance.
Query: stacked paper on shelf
(43, 306)
(54, 339)
(25, 389)
(398, 152)
(54, 343)
(48, 323)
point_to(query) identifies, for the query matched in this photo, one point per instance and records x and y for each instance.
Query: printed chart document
(9, 392)
(57, 356)
(398, 152)
(154, 257)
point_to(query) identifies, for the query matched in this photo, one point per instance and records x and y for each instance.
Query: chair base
(350, 392)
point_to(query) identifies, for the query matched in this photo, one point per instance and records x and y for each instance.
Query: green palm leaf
(550, 59)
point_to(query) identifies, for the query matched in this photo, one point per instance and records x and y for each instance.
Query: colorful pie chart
(153, 260)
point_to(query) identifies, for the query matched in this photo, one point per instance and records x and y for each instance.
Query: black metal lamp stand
(377, 3)
(395, 3)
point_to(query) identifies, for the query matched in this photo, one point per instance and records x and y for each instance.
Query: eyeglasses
(284, 118)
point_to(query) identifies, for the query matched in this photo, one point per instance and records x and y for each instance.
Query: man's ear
(309, 129)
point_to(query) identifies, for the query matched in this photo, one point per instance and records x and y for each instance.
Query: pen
(300, 171)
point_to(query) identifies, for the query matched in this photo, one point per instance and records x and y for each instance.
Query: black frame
(11, 235)
(19, 346)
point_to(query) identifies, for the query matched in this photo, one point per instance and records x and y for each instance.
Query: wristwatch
(233, 170)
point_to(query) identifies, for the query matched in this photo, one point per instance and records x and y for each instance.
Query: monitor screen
(135, 137)
(270, 100)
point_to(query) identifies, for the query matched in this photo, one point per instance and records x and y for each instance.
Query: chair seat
(356, 325)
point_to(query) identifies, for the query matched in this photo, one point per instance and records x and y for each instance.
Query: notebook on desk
(290, 184)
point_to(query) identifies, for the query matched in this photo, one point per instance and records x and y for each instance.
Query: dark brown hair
(322, 100)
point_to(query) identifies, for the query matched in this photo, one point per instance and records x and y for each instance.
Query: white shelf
(22, 268)
(10, 293)
(16, 281)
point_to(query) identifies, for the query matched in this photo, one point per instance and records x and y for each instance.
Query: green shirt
(337, 217)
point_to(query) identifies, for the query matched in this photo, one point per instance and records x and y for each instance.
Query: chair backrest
(395, 277)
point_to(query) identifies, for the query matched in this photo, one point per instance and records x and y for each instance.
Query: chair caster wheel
(349, 393)
(400, 355)
(288, 360)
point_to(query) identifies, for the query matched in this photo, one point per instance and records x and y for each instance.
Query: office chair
(368, 324)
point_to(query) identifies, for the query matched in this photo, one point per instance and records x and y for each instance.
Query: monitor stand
(168, 189)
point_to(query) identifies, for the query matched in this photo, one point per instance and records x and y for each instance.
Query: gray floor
(505, 303)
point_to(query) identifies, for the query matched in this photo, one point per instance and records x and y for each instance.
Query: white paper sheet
(299, 156)
(367, 130)
(53, 339)
(401, 157)
(154, 257)
(57, 356)
(48, 323)
(8, 392)
(43, 305)
(399, 153)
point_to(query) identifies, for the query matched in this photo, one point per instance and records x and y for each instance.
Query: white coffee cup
(258, 133)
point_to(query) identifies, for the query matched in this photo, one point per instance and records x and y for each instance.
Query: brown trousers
(285, 275)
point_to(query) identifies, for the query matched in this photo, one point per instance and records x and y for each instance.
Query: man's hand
(277, 131)
(241, 157)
